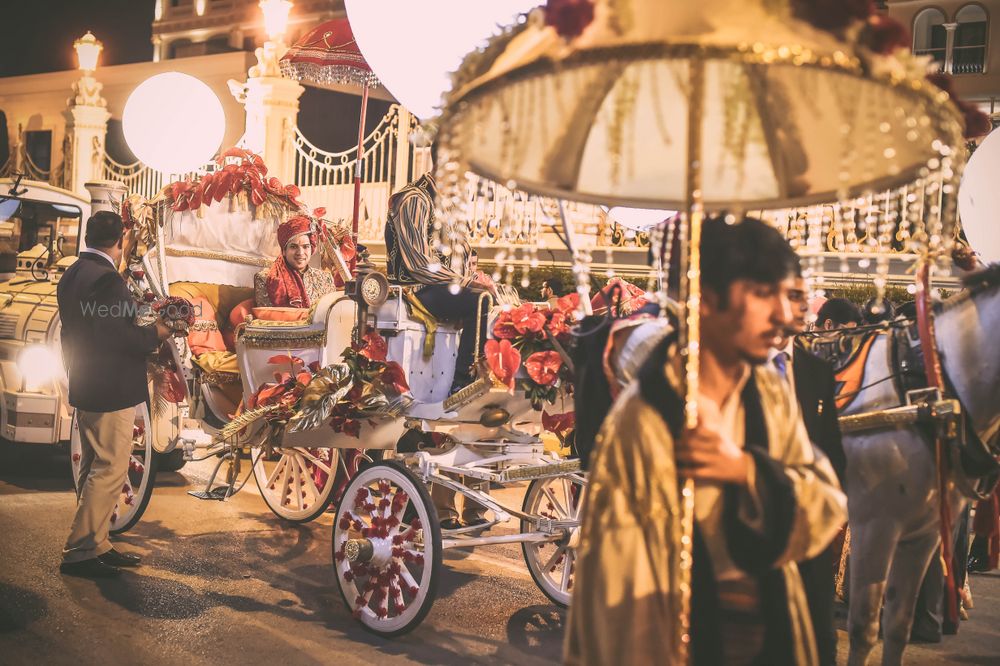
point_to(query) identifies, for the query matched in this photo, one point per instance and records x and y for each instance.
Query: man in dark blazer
(104, 352)
(815, 389)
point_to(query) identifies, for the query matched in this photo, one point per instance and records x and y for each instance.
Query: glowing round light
(38, 366)
(173, 122)
(639, 219)
(979, 199)
(449, 30)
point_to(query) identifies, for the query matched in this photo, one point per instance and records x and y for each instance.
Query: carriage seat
(218, 309)
(403, 311)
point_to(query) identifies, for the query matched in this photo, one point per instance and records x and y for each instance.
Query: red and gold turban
(284, 284)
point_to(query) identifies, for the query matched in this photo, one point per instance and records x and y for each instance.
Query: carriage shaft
(523, 537)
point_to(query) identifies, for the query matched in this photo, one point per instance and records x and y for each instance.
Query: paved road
(228, 582)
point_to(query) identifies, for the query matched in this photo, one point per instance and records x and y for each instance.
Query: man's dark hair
(104, 229)
(908, 310)
(556, 285)
(747, 250)
(878, 311)
(840, 311)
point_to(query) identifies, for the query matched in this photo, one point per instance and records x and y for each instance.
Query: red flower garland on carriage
(247, 175)
(535, 334)
(370, 376)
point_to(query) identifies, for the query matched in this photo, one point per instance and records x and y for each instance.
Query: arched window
(971, 35)
(929, 35)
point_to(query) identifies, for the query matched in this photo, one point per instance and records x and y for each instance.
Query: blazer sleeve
(119, 327)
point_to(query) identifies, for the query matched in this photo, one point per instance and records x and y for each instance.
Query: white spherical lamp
(979, 199)
(173, 123)
(444, 30)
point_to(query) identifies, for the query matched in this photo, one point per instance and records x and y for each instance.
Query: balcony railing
(968, 59)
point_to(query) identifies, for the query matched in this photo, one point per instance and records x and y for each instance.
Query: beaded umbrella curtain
(716, 104)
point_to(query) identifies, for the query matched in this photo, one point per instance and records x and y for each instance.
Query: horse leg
(905, 577)
(872, 546)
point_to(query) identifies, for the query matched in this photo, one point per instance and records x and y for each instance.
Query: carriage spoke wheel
(552, 564)
(138, 484)
(296, 483)
(387, 549)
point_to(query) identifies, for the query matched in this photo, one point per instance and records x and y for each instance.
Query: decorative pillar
(949, 59)
(272, 107)
(103, 193)
(157, 48)
(401, 175)
(86, 128)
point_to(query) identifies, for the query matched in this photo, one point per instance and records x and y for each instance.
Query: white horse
(892, 481)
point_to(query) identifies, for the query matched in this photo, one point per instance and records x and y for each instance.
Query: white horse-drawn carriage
(373, 442)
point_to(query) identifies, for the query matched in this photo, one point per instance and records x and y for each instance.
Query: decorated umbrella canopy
(717, 104)
(329, 54)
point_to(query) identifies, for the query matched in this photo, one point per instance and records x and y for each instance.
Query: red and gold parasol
(329, 54)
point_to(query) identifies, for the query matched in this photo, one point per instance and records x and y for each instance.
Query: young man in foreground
(763, 497)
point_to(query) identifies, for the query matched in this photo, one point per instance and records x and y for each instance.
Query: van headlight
(38, 365)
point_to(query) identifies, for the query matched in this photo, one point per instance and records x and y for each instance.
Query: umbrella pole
(690, 336)
(358, 165)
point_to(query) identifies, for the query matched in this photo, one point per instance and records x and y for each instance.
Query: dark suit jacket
(104, 350)
(816, 391)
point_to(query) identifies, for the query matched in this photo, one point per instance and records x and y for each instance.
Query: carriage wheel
(387, 569)
(138, 486)
(552, 564)
(296, 484)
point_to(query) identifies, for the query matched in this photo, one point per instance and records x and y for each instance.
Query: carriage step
(220, 494)
(539, 471)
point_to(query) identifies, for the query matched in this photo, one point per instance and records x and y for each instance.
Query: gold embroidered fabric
(318, 283)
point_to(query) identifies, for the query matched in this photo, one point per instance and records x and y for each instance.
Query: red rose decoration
(568, 303)
(503, 361)
(504, 329)
(558, 324)
(559, 424)
(374, 347)
(569, 17)
(175, 308)
(527, 319)
(543, 367)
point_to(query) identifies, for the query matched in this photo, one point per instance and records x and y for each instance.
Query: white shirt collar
(101, 254)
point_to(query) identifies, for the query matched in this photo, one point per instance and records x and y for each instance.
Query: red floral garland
(370, 372)
(527, 332)
(248, 175)
(569, 17)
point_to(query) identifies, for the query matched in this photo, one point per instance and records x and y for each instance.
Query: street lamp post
(86, 119)
(271, 102)
(275, 23)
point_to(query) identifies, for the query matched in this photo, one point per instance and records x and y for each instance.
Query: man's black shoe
(451, 524)
(92, 568)
(117, 559)
(476, 522)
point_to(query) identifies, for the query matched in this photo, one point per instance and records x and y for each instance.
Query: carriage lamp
(275, 17)
(88, 50)
(39, 365)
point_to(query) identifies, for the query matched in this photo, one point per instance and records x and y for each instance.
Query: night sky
(38, 34)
